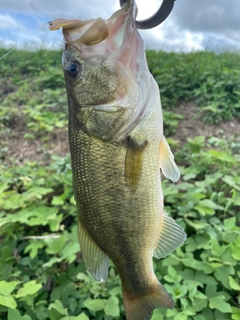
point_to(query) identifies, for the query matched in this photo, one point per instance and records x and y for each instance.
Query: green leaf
(236, 254)
(41, 215)
(199, 317)
(14, 314)
(111, 307)
(227, 256)
(222, 274)
(199, 304)
(6, 288)
(203, 210)
(39, 191)
(197, 265)
(189, 311)
(205, 279)
(181, 316)
(33, 248)
(171, 312)
(211, 204)
(81, 316)
(115, 291)
(229, 223)
(8, 301)
(236, 313)
(52, 261)
(211, 290)
(3, 186)
(233, 283)
(231, 181)
(57, 305)
(12, 201)
(222, 316)
(171, 271)
(28, 288)
(158, 314)
(216, 248)
(219, 304)
(179, 290)
(221, 155)
(57, 201)
(95, 305)
(196, 224)
(55, 245)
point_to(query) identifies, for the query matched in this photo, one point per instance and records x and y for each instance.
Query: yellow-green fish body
(117, 149)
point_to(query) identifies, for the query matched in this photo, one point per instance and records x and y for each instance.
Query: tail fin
(141, 307)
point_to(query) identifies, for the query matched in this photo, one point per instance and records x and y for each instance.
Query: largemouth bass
(117, 149)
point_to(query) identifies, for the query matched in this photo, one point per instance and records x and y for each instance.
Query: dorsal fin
(167, 163)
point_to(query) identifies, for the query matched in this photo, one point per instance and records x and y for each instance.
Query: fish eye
(73, 69)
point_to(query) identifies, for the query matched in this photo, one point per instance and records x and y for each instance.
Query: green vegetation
(42, 275)
(212, 81)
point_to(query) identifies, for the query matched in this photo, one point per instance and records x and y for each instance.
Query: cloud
(217, 22)
(62, 8)
(8, 22)
(192, 25)
(207, 15)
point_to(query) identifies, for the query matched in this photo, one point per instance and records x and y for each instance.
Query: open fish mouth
(94, 31)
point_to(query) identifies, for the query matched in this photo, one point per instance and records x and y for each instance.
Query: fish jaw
(113, 46)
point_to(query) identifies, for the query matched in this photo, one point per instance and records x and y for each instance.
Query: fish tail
(141, 307)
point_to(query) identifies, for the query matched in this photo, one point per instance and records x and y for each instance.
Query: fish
(117, 150)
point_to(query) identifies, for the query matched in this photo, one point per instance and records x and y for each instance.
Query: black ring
(156, 19)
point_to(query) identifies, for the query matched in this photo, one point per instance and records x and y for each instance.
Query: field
(42, 275)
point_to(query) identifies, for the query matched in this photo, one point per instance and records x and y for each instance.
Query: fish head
(106, 73)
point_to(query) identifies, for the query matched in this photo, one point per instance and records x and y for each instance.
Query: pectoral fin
(171, 236)
(167, 163)
(133, 163)
(95, 258)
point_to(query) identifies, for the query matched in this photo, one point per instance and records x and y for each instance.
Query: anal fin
(171, 236)
(95, 258)
(167, 163)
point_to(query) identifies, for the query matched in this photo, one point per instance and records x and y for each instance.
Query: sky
(192, 25)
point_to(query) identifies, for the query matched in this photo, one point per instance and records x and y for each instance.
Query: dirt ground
(23, 150)
(191, 125)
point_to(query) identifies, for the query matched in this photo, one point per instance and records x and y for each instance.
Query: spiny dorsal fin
(133, 163)
(95, 258)
(171, 236)
(167, 163)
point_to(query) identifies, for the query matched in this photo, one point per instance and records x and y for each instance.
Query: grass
(42, 275)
